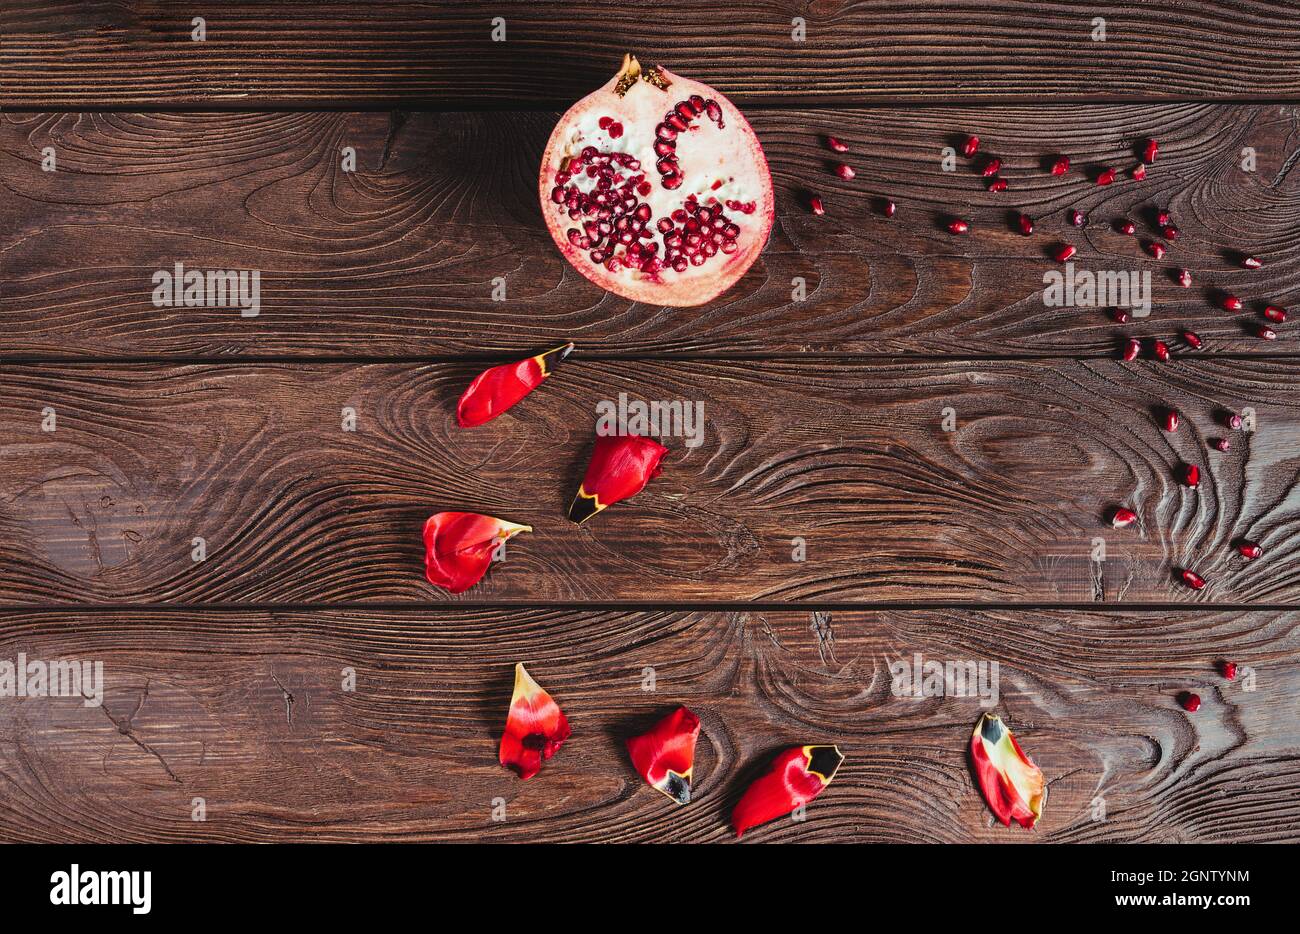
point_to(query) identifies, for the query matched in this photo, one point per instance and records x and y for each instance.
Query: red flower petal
(665, 755)
(620, 467)
(536, 728)
(458, 547)
(796, 777)
(495, 390)
(1012, 785)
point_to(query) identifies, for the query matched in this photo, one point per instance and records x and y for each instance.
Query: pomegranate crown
(632, 70)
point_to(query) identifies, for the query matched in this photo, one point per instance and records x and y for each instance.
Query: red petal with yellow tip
(458, 547)
(1012, 785)
(620, 467)
(796, 777)
(495, 390)
(665, 755)
(535, 727)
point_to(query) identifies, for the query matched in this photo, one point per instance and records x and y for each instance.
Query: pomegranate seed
(815, 203)
(1120, 315)
(615, 130)
(604, 122)
(1231, 303)
(1132, 347)
(890, 209)
(1251, 262)
(1156, 249)
(1162, 219)
(1249, 550)
(1228, 670)
(1106, 177)
(1193, 340)
(836, 145)
(991, 167)
(1191, 475)
(1149, 153)
(1078, 219)
(1061, 165)
(1222, 444)
(1273, 313)
(1065, 252)
(971, 146)
(1171, 420)
(1122, 518)
(958, 226)
(1233, 421)
(1169, 232)
(1191, 702)
(1139, 172)
(1193, 580)
(1026, 224)
(845, 172)
(1128, 227)
(1185, 278)
(1266, 332)
(1161, 350)
(998, 184)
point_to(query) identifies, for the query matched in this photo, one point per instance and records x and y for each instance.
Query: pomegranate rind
(733, 160)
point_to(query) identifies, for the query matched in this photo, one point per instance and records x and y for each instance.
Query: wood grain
(441, 54)
(850, 457)
(401, 257)
(246, 711)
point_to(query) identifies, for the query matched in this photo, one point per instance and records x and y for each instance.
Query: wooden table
(226, 694)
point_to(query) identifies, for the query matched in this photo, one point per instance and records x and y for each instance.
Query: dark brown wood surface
(441, 54)
(400, 257)
(824, 422)
(247, 711)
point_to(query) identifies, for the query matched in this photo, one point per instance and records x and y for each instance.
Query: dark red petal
(620, 467)
(458, 547)
(796, 777)
(495, 390)
(536, 728)
(1011, 784)
(665, 755)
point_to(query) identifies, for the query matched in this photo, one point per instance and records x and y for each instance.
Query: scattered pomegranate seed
(845, 172)
(1149, 153)
(1249, 550)
(1169, 232)
(1128, 227)
(1132, 347)
(1078, 219)
(1026, 224)
(1120, 315)
(1162, 219)
(1106, 177)
(1273, 313)
(890, 209)
(1266, 332)
(998, 184)
(604, 122)
(1065, 252)
(1233, 421)
(1251, 262)
(1171, 420)
(991, 167)
(971, 146)
(1191, 475)
(1222, 444)
(1161, 350)
(815, 203)
(836, 145)
(1185, 278)
(1228, 670)
(1139, 172)
(1156, 249)
(1191, 702)
(1193, 580)
(1231, 303)
(1193, 340)
(958, 226)
(1122, 518)
(1061, 165)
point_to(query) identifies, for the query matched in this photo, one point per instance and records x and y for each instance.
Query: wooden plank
(403, 257)
(851, 458)
(246, 711)
(292, 52)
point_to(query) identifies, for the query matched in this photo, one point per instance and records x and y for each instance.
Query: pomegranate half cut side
(656, 188)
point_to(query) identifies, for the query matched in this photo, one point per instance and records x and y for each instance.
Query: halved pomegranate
(656, 188)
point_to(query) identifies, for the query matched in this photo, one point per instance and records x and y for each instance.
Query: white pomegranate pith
(656, 188)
